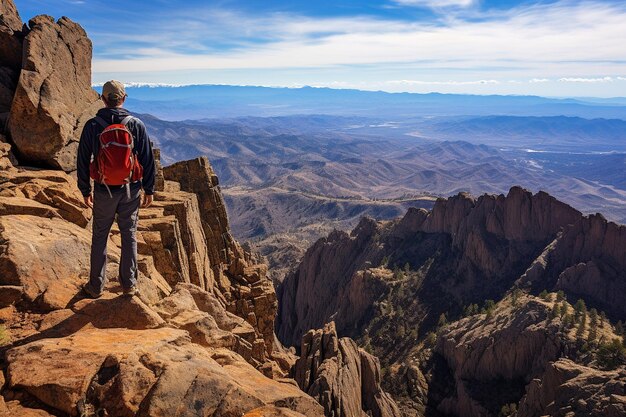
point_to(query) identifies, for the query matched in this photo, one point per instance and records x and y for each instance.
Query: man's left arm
(146, 159)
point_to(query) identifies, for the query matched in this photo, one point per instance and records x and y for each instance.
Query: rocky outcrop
(10, 56)
(239, 278)
(197, 176)
(175, 349)
(474, 249)
(569, 389)
(588, 259)
(342, 377)
(143, 373)
(55, 190)
(500, 353)
(34, 256)
(53, 97)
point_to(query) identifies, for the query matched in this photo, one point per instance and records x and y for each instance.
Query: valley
(289, 180)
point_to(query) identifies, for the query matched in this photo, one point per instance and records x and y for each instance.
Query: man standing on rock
(115, 151)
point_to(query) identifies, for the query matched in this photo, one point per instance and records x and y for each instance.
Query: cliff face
(392, 285)
(473, 249)
(342, 377)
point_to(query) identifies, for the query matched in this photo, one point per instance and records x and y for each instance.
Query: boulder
(53, 189)
(49, 258)
(144, 373)
(7, 160)
(53, 98)
(342, 377)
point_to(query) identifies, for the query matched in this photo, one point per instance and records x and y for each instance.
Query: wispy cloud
(450, 82)
(586, 80)
(546, 36)
(538, 44)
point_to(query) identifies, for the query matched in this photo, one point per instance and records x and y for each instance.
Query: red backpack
(116, 162)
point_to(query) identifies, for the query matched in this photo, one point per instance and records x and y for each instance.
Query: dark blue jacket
(89, 145)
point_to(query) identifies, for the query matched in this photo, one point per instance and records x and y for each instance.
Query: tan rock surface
(144, 373)
(53, 98)
(54, 189)
(47, 257)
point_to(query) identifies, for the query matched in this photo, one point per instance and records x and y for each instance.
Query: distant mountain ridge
(200, 101)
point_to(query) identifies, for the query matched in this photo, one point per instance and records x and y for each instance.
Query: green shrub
(611, 355)
(431, 339)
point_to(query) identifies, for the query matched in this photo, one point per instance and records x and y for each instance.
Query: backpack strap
(126, 119)
(101, 122)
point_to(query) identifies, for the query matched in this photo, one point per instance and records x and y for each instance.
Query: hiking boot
(91, 293)
(131, 291)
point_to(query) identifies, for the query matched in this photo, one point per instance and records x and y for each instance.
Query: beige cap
(113, 90)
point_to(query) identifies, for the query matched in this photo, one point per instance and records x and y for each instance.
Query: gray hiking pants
(105, 209)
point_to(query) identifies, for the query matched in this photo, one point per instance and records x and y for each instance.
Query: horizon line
(173, 85)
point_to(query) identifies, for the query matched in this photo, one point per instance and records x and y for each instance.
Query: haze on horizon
(561, 48)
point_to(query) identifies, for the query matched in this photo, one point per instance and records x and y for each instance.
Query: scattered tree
(471, 310)
(515, 296)
(564, 308)
(593, 334)
(431, 339)
(579, 308)
(593, 317)
(407, 268)
(508, 410)
(582, 325)
(560, 296)
(568, 321)
(400, 331)
(489, 305)
(619, 328)
(602, 319)
(555, 312)
(443, 320)
(611, 355)
(544, 295)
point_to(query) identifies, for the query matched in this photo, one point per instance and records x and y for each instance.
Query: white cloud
(451, 82)
(586, 80)
(539, 43)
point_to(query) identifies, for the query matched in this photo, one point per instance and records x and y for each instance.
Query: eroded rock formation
(53, 98)
(342, 377)
(518, 354)
(176, 349)
(569, 389)
(45, 87)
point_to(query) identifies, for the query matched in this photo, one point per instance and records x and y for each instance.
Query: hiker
(115, 152)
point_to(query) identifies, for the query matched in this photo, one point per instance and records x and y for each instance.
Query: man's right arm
(83, 159)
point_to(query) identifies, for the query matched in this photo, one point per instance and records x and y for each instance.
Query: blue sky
(549, 48)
